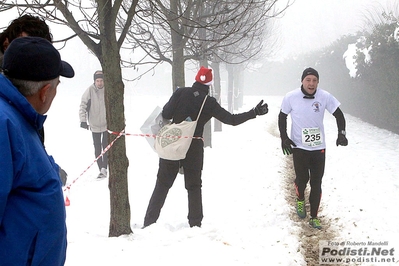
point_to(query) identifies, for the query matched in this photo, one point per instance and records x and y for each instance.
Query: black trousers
(309, 165)
(166, 176)
(100, 142)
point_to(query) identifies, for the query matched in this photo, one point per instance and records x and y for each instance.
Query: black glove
(84, 125)
(342, 140)
(261, 109)
(286, 146)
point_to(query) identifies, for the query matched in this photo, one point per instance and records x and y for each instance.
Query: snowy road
(246, 192)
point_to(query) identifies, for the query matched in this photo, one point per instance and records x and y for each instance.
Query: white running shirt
(307, 128)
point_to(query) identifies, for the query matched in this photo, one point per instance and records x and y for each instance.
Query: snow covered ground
(246, 184)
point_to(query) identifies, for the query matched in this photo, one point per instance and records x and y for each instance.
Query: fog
(305, 26)
(313, 24)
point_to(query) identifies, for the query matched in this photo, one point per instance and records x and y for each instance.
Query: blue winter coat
(32, 209)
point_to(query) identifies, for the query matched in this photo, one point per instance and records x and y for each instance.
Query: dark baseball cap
(34, 59)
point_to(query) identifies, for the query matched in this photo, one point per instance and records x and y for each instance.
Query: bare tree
(102, 26)
(167, 30)
(229, 31)
(176, 31)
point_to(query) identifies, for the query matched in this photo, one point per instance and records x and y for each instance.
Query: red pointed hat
(204, 76)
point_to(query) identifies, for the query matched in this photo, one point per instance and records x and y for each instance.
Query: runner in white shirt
(307, 105)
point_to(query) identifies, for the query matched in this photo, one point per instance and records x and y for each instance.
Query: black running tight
(309, 165)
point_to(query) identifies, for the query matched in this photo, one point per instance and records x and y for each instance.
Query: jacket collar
(202, 87)
(11, 94)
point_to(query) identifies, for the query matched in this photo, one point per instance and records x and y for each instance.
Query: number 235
(312, 137)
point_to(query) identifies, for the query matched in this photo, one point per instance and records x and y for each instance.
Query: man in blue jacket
(32, 210)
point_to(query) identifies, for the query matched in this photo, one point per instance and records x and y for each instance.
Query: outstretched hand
(286, 145)
(261, 109)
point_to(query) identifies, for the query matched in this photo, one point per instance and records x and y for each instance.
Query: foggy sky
(306, 25)
(312, 24)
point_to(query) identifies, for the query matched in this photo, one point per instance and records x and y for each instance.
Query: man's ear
(43, 92)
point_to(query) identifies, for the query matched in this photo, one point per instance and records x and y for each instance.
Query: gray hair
(29, 88)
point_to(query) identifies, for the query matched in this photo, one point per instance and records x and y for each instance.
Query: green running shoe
(300, 208)
(315, 223)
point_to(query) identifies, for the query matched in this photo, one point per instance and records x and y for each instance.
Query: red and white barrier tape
(68, 187)
(119, 134)
(153, 135)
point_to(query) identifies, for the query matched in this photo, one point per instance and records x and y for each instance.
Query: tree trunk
(217, 92)
(114, 93)
(230, 88)
(239, 88)
(178, 79)
(178, 44)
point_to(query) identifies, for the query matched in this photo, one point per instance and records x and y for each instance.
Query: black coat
(186, 102)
